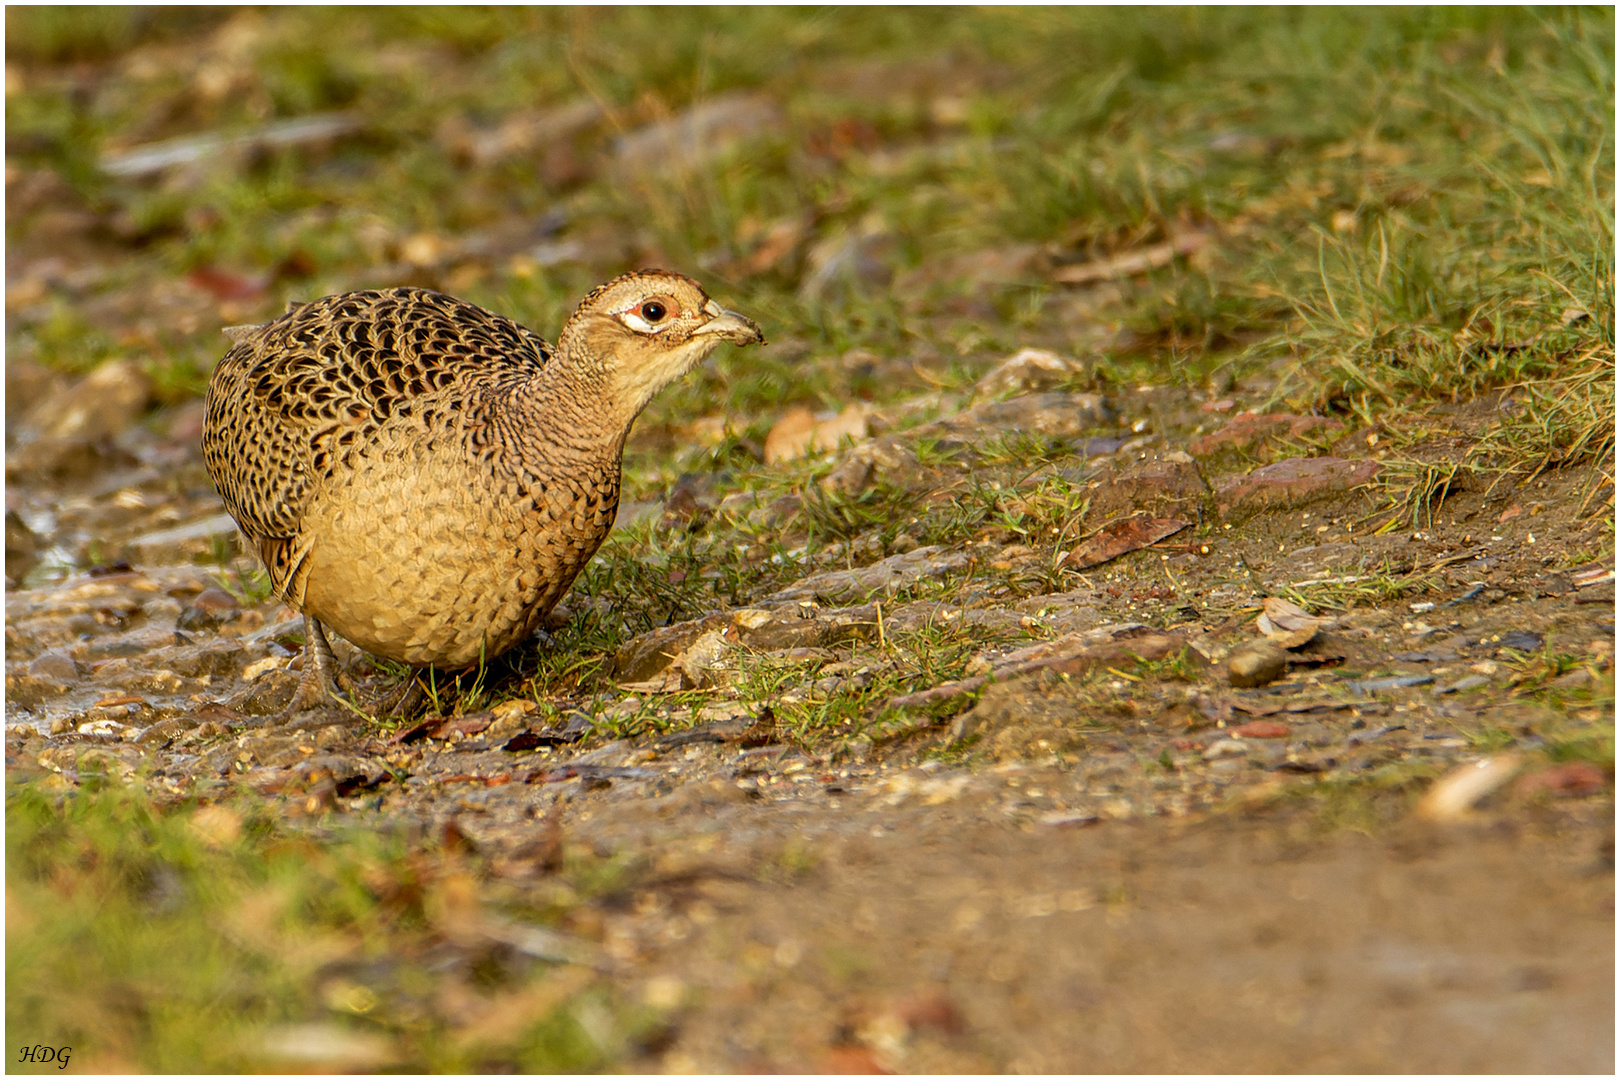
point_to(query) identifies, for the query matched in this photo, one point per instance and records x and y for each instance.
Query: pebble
(1256, 664)
(259, 667)
(105, 728)
(848, 479)
(1262, 729)
(1225, 748)
(1067, 819)
(1394, 682)
(54, 665)
(1290, 482)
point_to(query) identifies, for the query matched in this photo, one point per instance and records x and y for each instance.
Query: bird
(427, 478)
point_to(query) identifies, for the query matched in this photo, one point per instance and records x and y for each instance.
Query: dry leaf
(1455, 793)
(1286, 618)
(1120, 538)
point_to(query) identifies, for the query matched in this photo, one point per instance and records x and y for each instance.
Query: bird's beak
(735, 328)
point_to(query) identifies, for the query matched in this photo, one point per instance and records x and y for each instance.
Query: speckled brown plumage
(427, 478)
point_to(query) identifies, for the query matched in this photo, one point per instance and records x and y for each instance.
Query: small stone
(1247, 429)
(887, 575)
(208, 609)
(333, 735)
(160, 734)
(642, 658)
(1520, 640)
(1057, 415)
(259, 667)
(1262, 729)
(1393, 682)
(1160, 488)
(22, 547)
(1256, 664)
(1225, 748)
(1290, 483)
(1068, 819)
(511, 717)
(215, 600)
(1028, 370)
(54, 665)
(105, 728)
(1467, 682)
(903, 543)
(515, 708)
(848, 479)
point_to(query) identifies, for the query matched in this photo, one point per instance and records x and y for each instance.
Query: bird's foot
(401, 701)
(317, 688)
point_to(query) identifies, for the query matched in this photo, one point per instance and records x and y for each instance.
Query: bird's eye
(649, 316)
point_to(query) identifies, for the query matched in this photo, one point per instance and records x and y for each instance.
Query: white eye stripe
(637, 323)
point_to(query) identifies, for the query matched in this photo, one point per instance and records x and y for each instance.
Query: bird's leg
(320, 669)
(402, 700)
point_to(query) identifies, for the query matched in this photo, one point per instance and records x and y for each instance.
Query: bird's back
(296, 398)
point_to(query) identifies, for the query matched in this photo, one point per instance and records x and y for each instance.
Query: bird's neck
(574, 404)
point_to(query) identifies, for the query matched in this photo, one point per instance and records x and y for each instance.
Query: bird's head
(642, 331)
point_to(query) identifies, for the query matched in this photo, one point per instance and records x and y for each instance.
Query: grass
(177, 934)
(1471, 151)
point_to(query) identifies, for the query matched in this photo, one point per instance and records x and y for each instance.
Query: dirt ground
(947, 941)
(1095, 861)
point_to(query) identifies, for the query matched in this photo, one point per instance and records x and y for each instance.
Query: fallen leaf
(799, 433)
(1455, 793)
(790, 436)
(1288, 617)
(1571, 780)
(1120, 538)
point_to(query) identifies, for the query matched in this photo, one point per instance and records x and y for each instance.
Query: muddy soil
(1101, 846)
